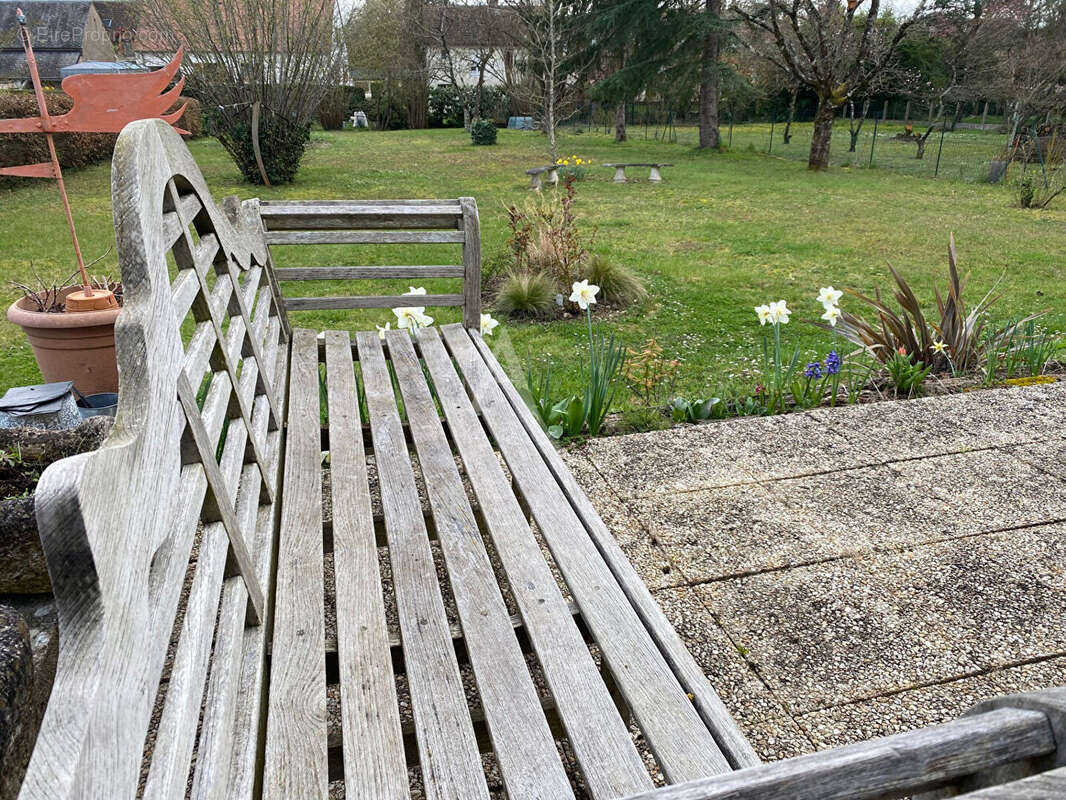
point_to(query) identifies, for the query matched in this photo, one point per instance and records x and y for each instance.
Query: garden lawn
(724, 233)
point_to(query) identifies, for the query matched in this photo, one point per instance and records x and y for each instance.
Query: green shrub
(281, 144)
(333, 109)
(192, 119)
(483, 132)
(526, 294)
(619, 284)
(1026, 192)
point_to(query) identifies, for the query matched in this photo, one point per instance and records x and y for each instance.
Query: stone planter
(23, 570)
(71, 346)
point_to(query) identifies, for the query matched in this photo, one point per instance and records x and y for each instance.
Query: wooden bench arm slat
(887, 767)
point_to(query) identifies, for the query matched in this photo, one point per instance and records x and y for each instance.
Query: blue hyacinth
(813, 370)
(832, 363)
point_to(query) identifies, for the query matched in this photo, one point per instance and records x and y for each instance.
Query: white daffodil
(779, 313)
(828, 296)
(382, 330)
(412, 317)
(831, 315)
(584, 294)
(413, 290)
(940, 347)
(763, 312)
(488, 324)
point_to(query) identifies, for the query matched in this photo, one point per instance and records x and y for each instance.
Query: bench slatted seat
(487, 627)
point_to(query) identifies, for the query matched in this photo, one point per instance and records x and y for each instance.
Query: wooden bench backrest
(332, 222)
(150, 536)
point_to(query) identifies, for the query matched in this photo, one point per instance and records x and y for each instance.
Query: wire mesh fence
(970, 151)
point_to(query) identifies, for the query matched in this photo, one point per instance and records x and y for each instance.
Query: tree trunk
(984, 114)
(956, 117)
(620, 123)
(822, 136)
(709, 136)
(791, 116)
(907, 113)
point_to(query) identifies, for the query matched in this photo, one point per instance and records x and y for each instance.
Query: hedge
(75, 150)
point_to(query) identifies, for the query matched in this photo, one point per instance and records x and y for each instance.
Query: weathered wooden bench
(449, 588)
(654, 175)
(549, 173)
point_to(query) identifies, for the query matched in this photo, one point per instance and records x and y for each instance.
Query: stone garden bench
(654, 175)
(549, 173)
(214, 617)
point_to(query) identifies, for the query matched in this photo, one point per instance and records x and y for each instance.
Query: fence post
(939, 150)
(873, 142)
(771, 148)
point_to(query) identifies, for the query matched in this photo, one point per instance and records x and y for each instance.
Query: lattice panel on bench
(225, 333)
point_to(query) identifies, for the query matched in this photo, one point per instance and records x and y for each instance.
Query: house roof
(53, 24)
(471, 26)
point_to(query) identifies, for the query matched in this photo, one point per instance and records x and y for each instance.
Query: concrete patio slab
(893, 513)
(837, 632)
(651, 560)
(925, 705)
(859, 571)
(735, 530)
(987, 490)
(739, 686)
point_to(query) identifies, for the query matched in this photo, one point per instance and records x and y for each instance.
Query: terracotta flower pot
(71, 346)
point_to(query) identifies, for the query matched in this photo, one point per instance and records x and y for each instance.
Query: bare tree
(549, 67)
(454, 66)
(1030, 58)
(380, 50)
(260, 67)
(835, 50)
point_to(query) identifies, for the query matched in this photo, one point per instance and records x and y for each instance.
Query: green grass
(723, 233)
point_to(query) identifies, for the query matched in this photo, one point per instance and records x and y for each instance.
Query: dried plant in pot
(72, 331)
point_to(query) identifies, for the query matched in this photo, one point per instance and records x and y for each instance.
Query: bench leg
(619, 174)
(655, 177)
(553, 177)
(534, 182)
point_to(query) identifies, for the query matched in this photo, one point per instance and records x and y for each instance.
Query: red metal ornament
(102, 104)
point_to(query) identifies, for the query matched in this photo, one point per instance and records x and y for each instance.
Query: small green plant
(907, 374)
(529, 294)
(561, 418)
(483, 132)
(1026, 192)
(619, 284)
(606, 359)
(1034, 350)
(649, 374)
(683, 410)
